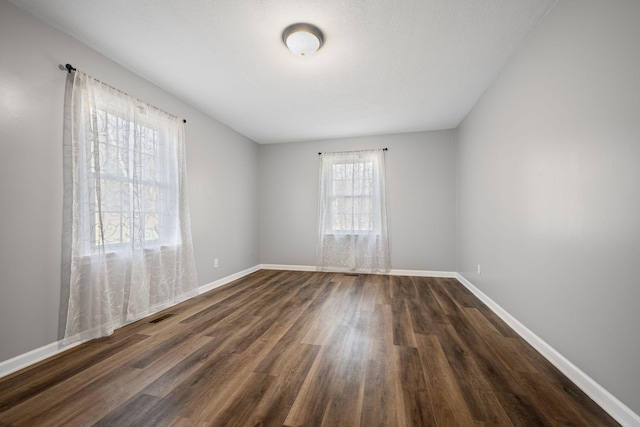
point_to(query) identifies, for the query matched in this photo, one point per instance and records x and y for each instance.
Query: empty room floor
(305, 348)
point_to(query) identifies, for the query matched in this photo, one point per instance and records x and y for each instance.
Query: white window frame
(333, 197)
(161, 188)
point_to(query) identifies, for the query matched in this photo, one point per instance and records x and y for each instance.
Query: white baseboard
(416, 273)
(228, 279)
(423, 273)
(618, 410)
(32, 357)
(288, 267)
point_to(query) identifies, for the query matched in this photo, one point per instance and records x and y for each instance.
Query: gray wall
(222, 174)
(420, 191)
(549, 189)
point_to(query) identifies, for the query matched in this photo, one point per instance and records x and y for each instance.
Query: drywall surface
(549, 189)
(420, 195)
(222, 176)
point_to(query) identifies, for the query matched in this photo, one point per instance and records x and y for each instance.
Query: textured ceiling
(387, 66)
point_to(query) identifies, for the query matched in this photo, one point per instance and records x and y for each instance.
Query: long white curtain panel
(127, 249)
(352, 213)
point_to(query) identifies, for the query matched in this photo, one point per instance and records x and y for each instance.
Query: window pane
(150, 197)
(151, 224)
(128, 162)
(113, 195)
(351, 197)
(148, 165)
(115, 228)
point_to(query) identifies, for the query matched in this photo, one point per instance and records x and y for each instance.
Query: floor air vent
(161, 318)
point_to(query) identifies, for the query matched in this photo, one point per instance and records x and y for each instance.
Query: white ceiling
(386, 66)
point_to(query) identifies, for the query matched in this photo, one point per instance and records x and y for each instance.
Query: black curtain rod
(71, 68)
(384, 149)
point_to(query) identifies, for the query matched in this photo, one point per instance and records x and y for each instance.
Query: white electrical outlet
(216, 264)
(478, 270)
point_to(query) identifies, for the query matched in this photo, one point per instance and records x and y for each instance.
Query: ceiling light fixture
(303, 39)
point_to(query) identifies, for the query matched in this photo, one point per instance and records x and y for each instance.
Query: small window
(352, 212)
(351, 197)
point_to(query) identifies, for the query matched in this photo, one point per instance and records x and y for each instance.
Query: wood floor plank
(330, 316)
(403, 334)
(476, 389)
(129, 413)
(502, 379)
(279, 398)
(101, 390)
(344, 407)
(438, 287)
(305, 348)
(449, 406)
(186, 422)
(485, 357)
(242, 404)
(466, 299)
(219, 394)
(552, 402)
(18, 389)
(186, 367)
(424, 287)
(503, 347)
(369, 294)
(412, 390)
(274, 361)
(91, 403)
(180, 401)
(311, 402)
(379, 405)
(426, 314)
(383, 296)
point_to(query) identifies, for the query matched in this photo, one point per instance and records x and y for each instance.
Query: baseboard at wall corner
(227, 279)
(614, 407)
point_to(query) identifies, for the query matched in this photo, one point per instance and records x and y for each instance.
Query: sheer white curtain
(352, 212)
(127, 249)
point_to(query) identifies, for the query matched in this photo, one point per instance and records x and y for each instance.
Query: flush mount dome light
(303, 39)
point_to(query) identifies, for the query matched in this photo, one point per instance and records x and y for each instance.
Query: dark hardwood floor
(298, 348)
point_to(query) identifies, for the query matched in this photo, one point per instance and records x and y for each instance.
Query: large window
(127, 248)
(352, 212)
(127, 163)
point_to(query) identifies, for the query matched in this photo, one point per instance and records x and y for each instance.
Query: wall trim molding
(287, 267)
(34, 356)
(230, 278)
(415, 273)
(614, 407)
(423, 273)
